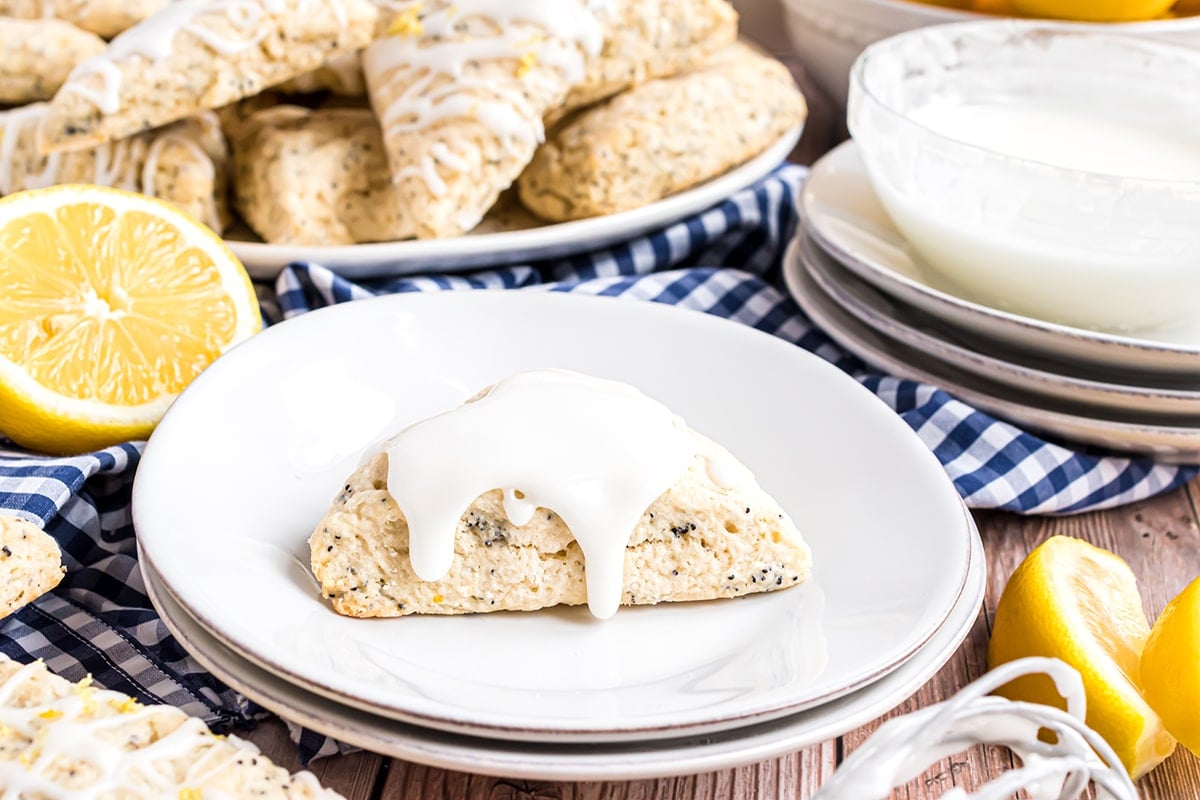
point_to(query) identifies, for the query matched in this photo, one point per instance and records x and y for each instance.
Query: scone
(316, 177)
(713, 533)
(646, 39)
(63, 739)
(196, 55)
(36, 55)
(662, 137)
(30, 563)
(104, 18)
(461, 88)
(183, 163)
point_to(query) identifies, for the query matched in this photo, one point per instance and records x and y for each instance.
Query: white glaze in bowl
(1017, 224)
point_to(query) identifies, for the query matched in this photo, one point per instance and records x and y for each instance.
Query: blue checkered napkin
(100, 621)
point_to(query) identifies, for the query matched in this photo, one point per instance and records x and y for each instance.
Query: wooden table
(1160, 539)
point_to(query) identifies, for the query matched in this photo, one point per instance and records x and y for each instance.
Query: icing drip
(83, 726)
(431, 52)
(596, 452)
(905, 746)
(154, 39)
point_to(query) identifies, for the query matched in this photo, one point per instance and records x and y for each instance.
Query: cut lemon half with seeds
(112, 303)
(1079, 603)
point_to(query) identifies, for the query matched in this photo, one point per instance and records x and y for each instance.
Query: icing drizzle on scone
(154, 38)
(596, 452)
(432, 47)
(81, 741)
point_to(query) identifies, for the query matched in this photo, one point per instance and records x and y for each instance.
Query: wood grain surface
(1160, 539)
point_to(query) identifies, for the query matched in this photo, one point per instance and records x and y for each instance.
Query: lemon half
(112, 303)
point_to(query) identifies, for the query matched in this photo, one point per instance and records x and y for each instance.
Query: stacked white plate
(853, 273)
(248, 458)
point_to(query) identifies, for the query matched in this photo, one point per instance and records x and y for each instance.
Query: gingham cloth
(725, 262)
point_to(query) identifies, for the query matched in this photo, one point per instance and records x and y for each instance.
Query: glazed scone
(37, 54)
(698, 541)
(663, 137)
(30, 563)
(316, 177)
(461, 88)
(648, 39)
(104, 18)
(196, 55)
(63, 739)
(184, 163)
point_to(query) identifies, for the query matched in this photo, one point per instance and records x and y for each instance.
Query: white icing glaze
(424, 74)
(70, 727)
(154, 39)
(594, 451)
(905, 746)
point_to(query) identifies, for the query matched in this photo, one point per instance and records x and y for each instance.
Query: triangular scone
(183, 163)
(196, 55)
(64, 739)
(38, 56)
(30, 563)
(699, 540)
(647, 39)
(104, 18)
(461, 88)
(663, 136)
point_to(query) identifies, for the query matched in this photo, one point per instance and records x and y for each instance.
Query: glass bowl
(1082, 247)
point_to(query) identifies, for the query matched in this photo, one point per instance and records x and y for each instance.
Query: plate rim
(884, 278)
(483, 251)
(966, 358)
(682, 756)
(795, 272)
(451, 719)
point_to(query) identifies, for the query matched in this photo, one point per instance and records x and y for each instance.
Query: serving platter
(583, 761)
(491, 248)
(256, 448)
(1138, 434)
(845, 217)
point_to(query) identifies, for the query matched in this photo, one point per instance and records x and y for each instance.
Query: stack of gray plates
(853, 273)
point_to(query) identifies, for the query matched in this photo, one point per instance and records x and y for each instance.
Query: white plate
(910, 327)
(384, 259)
(247, 460)
(579, 762)
(845, 216)
(1078, 422)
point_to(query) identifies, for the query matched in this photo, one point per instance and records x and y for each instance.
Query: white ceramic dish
(258, 445)
(579, 762)
(843, 213)
(1057, 225)
(1135, 434)
(386, 259)
(916, 330)
(830, 34)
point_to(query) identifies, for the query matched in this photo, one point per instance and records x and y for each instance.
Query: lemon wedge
(113, 303)
(1079, 603)
(1171, 667)
(1094, 10)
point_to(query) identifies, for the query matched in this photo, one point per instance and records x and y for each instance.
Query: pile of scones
(325, 122)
